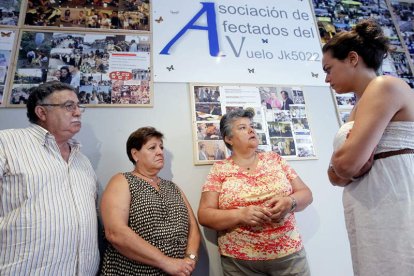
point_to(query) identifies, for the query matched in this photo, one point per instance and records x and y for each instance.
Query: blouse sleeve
(287, 169)
(214, 179)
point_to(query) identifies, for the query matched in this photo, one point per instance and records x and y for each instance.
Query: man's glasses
(69, 106)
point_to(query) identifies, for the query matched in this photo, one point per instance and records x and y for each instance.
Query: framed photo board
(89, 14)
(344, 105)
(281, 120)
(106, 69)
(9, 12)
(7, 43)
(404, 15)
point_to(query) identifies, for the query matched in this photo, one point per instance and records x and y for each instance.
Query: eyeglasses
(69, 106)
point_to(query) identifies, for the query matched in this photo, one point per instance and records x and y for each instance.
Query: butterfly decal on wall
(159, 20)
(315, 75)
(3, 34)
(251, 70)
(265, 40)
(170, 67)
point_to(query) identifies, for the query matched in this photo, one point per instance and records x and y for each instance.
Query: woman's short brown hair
(139, 138)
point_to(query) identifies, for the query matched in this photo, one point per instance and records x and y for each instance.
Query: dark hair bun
(370, 32)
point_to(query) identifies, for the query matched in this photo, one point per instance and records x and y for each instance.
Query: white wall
(105, 130)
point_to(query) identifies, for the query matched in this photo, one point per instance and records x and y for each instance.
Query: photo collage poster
(100, 47)
(335, 16)
(9, 12)
(404, 13)
(7, 39)
(105, 69)
(90, 14)
(281, 120)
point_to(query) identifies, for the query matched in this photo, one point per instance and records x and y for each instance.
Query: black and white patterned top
(159, 217)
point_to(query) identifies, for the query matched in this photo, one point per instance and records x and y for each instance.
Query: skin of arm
(337, 180)
(211, 216)
(281, 205)
(383, 99)
(194, 233)
(115, 211)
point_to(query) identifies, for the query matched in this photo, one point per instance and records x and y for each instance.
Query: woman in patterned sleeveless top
(148, 221)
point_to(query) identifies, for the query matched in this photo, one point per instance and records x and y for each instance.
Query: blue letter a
(211, 28)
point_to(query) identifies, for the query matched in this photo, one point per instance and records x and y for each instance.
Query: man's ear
(41, 112)
(353, 58)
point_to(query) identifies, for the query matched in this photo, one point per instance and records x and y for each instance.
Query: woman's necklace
(250, 164)
(150, 179)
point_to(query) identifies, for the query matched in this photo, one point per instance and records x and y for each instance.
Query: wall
(105, 130)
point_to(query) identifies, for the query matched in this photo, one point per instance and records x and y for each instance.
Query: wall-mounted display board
(335, 16)
(281, 120)
(103, 14)
(404, 14)
(105, 69)
(9, 12)
(100, 47)
(7, 40)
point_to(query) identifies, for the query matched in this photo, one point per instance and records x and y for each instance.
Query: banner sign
(267, 41)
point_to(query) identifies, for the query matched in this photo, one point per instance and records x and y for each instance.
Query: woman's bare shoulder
(392, 83)
(117, 181)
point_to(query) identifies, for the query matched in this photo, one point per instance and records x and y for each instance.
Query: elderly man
(48, 190)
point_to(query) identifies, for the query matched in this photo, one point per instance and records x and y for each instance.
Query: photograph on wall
(104, 69)
(94, 14)
(7, 40)
(9, 12)
(344, 114)
(281, 121)
(345, 100)
(335, 16)
(404, 12)
(344, 104)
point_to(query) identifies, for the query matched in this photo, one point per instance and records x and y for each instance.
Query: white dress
(379, 208)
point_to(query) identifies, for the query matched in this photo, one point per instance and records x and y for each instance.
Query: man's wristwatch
(192, 257)
(294, 204)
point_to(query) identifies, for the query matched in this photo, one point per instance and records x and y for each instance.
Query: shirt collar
(43, 135)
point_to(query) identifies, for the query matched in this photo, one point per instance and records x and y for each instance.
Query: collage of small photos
(404, 12)
(345, 104)
(9, 12)
(208, 112)
(106, 67)
(9, 17)
(96, 14)
(6, 46)
(280, 120)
